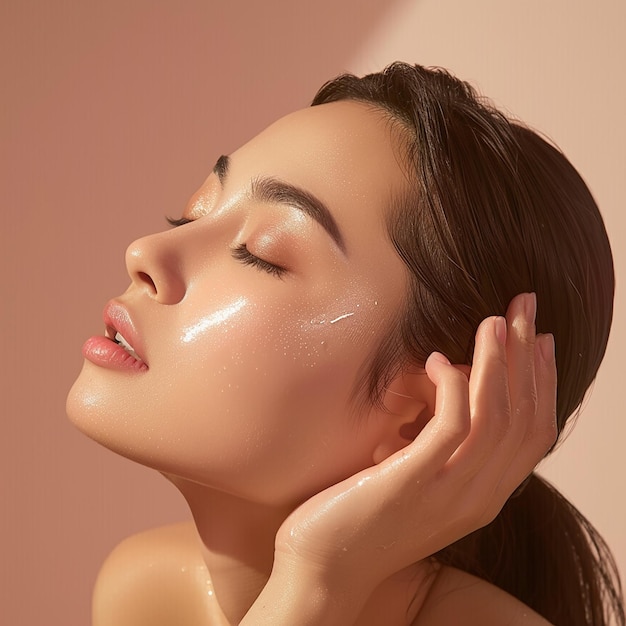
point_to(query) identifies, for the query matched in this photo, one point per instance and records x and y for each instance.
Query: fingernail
(530, 307)
(546, 347)
(499, 325)
(437, 356)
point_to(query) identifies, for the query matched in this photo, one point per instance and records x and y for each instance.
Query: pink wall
(111, 114)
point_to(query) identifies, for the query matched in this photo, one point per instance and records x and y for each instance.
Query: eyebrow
(274, 191)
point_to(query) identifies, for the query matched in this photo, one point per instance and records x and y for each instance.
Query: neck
(237, 542)
(237, 539)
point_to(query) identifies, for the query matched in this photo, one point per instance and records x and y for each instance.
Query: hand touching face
(487, 434)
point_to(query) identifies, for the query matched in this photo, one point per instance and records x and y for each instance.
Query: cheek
(253, 400)
(272, 406)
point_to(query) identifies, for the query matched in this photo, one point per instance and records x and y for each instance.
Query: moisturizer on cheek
(341, 334)
(353, 320)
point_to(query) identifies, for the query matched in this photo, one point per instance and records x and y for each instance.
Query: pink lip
(103, 351)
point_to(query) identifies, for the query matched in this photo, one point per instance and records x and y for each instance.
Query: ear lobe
(409, 403)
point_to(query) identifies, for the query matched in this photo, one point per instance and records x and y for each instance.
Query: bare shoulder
(460, 598)
(149, 577)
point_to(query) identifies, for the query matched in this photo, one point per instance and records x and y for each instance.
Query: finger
(489, 397)
(509, 461)
(451, 423)
(545, 425)
(521, 361)
(466, 369)
(542, 430)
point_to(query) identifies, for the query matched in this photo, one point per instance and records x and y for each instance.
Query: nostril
(148, 280)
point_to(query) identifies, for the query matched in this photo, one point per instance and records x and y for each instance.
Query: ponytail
(492, 210)
(543, 551)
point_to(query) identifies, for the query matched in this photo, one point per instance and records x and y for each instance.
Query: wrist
(304, 594)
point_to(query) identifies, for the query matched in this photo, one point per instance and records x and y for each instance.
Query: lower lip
(106, 353)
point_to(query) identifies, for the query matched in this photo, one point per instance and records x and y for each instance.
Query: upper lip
(117, 319)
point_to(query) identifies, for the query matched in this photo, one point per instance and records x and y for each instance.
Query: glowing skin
(243, 396)
(242, 363)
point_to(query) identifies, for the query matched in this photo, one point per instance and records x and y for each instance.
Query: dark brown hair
(495, 210)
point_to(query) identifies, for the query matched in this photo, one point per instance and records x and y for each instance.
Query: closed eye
(242, 254)
(181, 221)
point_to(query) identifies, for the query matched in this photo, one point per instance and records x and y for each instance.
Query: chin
(89, 409)
(79, 407)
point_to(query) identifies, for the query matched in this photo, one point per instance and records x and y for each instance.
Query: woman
(279, 357)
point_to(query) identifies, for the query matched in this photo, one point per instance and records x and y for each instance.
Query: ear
(408, 405)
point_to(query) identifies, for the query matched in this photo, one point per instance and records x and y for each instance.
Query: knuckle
(528, 342)
(457, 377)
(499, 423)
(455, 431)
(525, 333)
(526, 404)
(501, 360)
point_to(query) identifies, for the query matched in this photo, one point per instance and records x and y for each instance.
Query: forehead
(348, 136)
(342, 152)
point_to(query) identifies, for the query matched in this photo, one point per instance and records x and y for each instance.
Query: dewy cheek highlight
(190, 333)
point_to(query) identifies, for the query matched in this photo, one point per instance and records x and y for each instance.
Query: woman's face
(254, 320)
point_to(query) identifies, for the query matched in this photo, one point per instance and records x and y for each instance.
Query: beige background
(111, 113)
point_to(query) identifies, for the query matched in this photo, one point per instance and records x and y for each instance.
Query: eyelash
(176, 222)
(240, 252)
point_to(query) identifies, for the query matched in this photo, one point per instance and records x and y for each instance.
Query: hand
(486, 436)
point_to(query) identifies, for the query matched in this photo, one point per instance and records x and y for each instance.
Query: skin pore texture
(254, 322)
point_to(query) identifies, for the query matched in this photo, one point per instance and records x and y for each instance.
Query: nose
(154, 266)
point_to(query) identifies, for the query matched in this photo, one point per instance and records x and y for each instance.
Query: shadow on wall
(111, 114)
